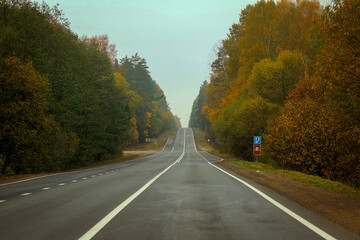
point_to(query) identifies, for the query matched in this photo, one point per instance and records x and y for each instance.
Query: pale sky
(177, 38)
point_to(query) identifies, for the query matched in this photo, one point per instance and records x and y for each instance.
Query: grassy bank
(153, 145)
(293, 175)
(302, 177)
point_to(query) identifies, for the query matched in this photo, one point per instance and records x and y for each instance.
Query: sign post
(257, 146)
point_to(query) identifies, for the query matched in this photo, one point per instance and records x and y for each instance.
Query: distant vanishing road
(174, 194)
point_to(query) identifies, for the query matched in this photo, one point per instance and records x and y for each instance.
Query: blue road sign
(257, 139)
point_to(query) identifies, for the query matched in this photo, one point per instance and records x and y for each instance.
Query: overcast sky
(177, 38)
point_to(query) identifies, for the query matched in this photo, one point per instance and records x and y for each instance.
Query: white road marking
(1, 201)
(61, 184)
(100, 174)
(94, 230)
(106, 172)
(112, 171)
(277, 204)
(26, 194)
(46, 188)
(183, 153)
(84, 178)
(74, 180)
(93, 176)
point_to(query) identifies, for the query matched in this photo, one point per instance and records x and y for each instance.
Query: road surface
(177, 193)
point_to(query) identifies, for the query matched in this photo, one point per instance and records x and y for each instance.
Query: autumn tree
(318, 130)
(101, 42)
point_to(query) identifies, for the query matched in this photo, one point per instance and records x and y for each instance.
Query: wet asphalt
(191, 199)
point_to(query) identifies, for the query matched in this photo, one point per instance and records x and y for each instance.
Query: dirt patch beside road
(334, 206)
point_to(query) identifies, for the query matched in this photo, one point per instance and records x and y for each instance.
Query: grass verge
(302, 177)
(293, 175)
(160, 142)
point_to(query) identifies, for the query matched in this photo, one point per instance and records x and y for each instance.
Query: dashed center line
(46, 188)
(74, 180)
(106, 172)
(84, 178)
(100, 174)
(61, 184)
(1, 201)
(93, 176)
(26, 194)
(112, 171)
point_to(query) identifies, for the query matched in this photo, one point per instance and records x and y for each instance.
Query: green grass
(302, 177)
(295, 176)
(200, 135)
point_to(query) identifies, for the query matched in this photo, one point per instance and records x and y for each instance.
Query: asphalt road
(176, 193)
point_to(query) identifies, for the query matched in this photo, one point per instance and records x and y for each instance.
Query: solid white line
(46, 188)
(165, 144)
(26, 194)
(277, 204)
(282, 207)
(94, 230)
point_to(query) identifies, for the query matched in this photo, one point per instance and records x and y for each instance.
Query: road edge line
(297, 217)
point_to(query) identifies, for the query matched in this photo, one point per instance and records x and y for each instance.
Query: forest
(67, 101)
(288, 71)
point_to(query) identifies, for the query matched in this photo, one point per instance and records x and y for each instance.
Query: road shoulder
(334, 206)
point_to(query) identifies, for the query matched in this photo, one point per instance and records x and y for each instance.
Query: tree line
(290, 72)
(66, 101)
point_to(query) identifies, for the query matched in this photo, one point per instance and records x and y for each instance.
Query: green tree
(273, 80)
(153, 101)
(91, 111)
(28, 131)
(197, 116)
